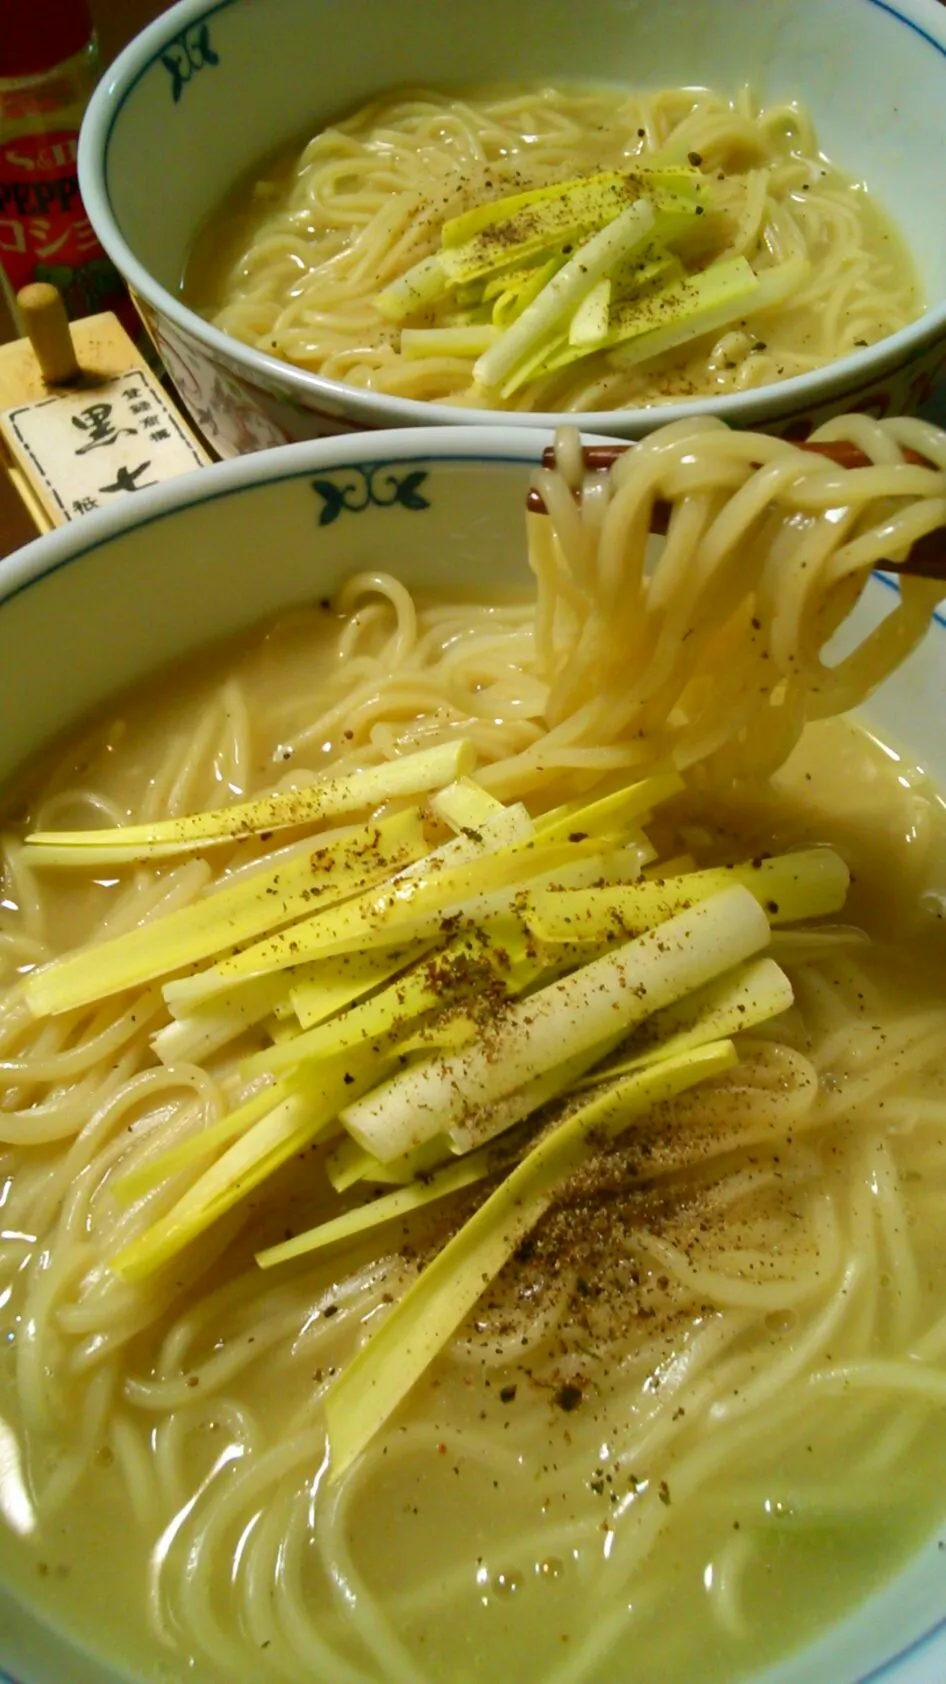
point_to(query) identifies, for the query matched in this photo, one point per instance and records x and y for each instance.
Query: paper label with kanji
(89, 449)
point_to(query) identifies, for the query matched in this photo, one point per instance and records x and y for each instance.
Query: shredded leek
(363, 1218)
(393, 1358)
(611, 813)
(198, 1036)
(470, 341)
(610, 263)
(303, 1114)
(413, 1021)
(466, 965)
(712, 310)
(659, 319)
(754, 993)
(206, 1143)
(589, 324)
(420, 287)
(262, 901)
(807, 884)
(407, 776)
(408, 908)
(347, 1163)
(518, 291)
(464, 805)
(586, 199)
(564, 292)
(277, 1137)
(336, 983)
(610, 994)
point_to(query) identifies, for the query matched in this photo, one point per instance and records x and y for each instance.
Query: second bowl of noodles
(631, 213)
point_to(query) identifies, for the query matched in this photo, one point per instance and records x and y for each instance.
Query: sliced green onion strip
(712, 312)
(806, 884)
(260, 902)
(564, 292)
(407, 776)
(472, 341)
(365, 1217)
(303, 1114)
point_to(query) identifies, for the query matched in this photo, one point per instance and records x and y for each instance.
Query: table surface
(116, 21)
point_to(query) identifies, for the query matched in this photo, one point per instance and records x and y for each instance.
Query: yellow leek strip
(205, 1144)
(515, 292)
(334, 984)
(492, 255)
(609, 996)
(681, 298)
(447, 1034)
(483, 1124)
(499, 833)
(306, 1113)
(716, 302)
(659, 319)
(642, 270)
(279, 1136)
(611, 813)
(260, 902)
(347, 1163)
(806, 884)
(407, 776)
(508, 280)
(464, 805)
(604, 194)
(384, 1014)
(747, 996)
(280, 1032)
(468, 341)
(458, 231)
(589, 324)
(416, 1329)
(675, 867)
(752, 994)
(469, 301)
(421, 286)
(529, 225)
(410, 908)
(364, 1218)
(193, 1038)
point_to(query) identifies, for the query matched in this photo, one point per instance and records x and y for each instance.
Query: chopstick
(927, 558)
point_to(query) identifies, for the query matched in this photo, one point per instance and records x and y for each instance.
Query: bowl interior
(244, 540)
(192, 106)
(212, 543)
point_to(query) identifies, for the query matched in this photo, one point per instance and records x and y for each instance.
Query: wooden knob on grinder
(44, 317)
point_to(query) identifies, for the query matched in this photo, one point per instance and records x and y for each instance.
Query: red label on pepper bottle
(45, 234)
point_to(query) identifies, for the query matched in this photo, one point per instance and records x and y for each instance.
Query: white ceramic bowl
(216, 84)
(244, 540)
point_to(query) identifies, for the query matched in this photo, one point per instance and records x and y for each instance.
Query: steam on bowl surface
(187, 112)
(267, 541)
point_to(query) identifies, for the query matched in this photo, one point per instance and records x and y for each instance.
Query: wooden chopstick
(927, 558)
